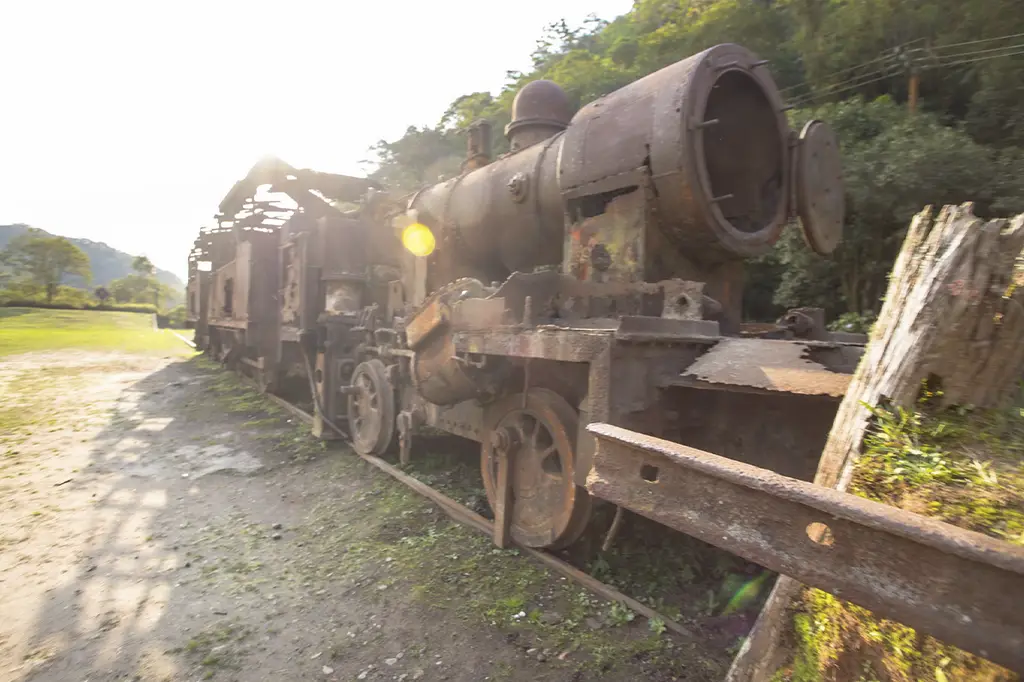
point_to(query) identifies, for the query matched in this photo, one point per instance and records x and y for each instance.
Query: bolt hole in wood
(649, 473)
(820, 534)
(319, 376)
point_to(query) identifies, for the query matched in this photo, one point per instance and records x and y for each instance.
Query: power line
(940, 61)
(1019, 51)
(816, 96)
(833, 86)
(811, 98)
(982, 40)
(999, 50)
(893, 54)
(846, 70)
(881, 68)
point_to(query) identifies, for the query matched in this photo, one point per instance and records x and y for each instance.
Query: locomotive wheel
(548, 510)
(371, 409)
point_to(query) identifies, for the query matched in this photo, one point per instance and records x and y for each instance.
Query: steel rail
(962, 587)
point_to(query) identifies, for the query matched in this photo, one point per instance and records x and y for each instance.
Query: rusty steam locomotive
(593, 273)
(575, 307)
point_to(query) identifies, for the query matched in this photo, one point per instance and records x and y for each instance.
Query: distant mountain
(107, 263)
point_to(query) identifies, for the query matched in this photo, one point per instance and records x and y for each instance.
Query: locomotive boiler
(702, 150)
(595, 273)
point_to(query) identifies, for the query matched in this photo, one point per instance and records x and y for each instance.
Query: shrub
(30, 303)
(176, 317)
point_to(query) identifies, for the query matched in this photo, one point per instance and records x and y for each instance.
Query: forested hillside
(106, 262)
(848, 62)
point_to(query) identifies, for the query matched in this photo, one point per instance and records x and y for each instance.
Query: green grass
(34, 329)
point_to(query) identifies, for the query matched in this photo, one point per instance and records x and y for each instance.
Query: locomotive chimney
(541, 109)
(478, 145)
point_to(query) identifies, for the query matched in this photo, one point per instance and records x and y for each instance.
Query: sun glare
(418, 239)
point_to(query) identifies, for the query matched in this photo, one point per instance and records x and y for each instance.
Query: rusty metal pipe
(959, 586)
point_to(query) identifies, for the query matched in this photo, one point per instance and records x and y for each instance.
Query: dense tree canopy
(143, 266)
(847, 62)
(140, 288)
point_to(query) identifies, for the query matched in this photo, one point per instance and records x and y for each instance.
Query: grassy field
(23, 330)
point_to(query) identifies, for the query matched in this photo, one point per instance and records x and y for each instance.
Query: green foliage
(620, 614)
(835, 635)
(143, 266)
(419, 157)
(853, 323)
(44, 260)
(904, 451)
(72, 297)
(894, 164)
(176, 316)
(64, 304)
(145, 289)
(131, 288)
(960, 465)
(27, 294)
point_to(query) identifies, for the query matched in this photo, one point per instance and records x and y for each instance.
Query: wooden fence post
(953, 312)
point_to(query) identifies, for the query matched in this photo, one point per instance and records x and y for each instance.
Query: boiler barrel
(710, 131)
(508, 213)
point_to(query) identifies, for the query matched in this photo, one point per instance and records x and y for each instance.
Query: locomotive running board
(956, 585)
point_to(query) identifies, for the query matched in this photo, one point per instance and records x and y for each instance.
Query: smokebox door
(818, 185)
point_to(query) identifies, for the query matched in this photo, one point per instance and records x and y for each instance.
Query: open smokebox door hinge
(817, 197)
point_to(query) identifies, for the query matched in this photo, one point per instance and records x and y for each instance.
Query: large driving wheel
(548, 510)
(371, 409)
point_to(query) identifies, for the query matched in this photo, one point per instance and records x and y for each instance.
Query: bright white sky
(126, 122)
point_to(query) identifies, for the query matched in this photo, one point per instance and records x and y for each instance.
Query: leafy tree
(176, 317)
(894, 163)
(101, 294)
(45, 260)
(145, 269)
(143, 266)
(419, 157)
(141, 289)
(132, 289)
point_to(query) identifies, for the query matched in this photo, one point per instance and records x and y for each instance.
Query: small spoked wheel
(371, 409)
(548, 510)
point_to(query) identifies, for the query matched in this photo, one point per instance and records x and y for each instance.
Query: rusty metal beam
(550, 343)
(959, 586)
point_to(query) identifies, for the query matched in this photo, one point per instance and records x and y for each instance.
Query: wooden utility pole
(954, 311)
(912, 90)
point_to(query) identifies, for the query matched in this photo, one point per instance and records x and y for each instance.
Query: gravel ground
(158, 521)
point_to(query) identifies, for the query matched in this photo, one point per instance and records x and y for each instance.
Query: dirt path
(161, 522)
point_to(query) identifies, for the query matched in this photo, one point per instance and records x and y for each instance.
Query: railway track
(467, 517)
